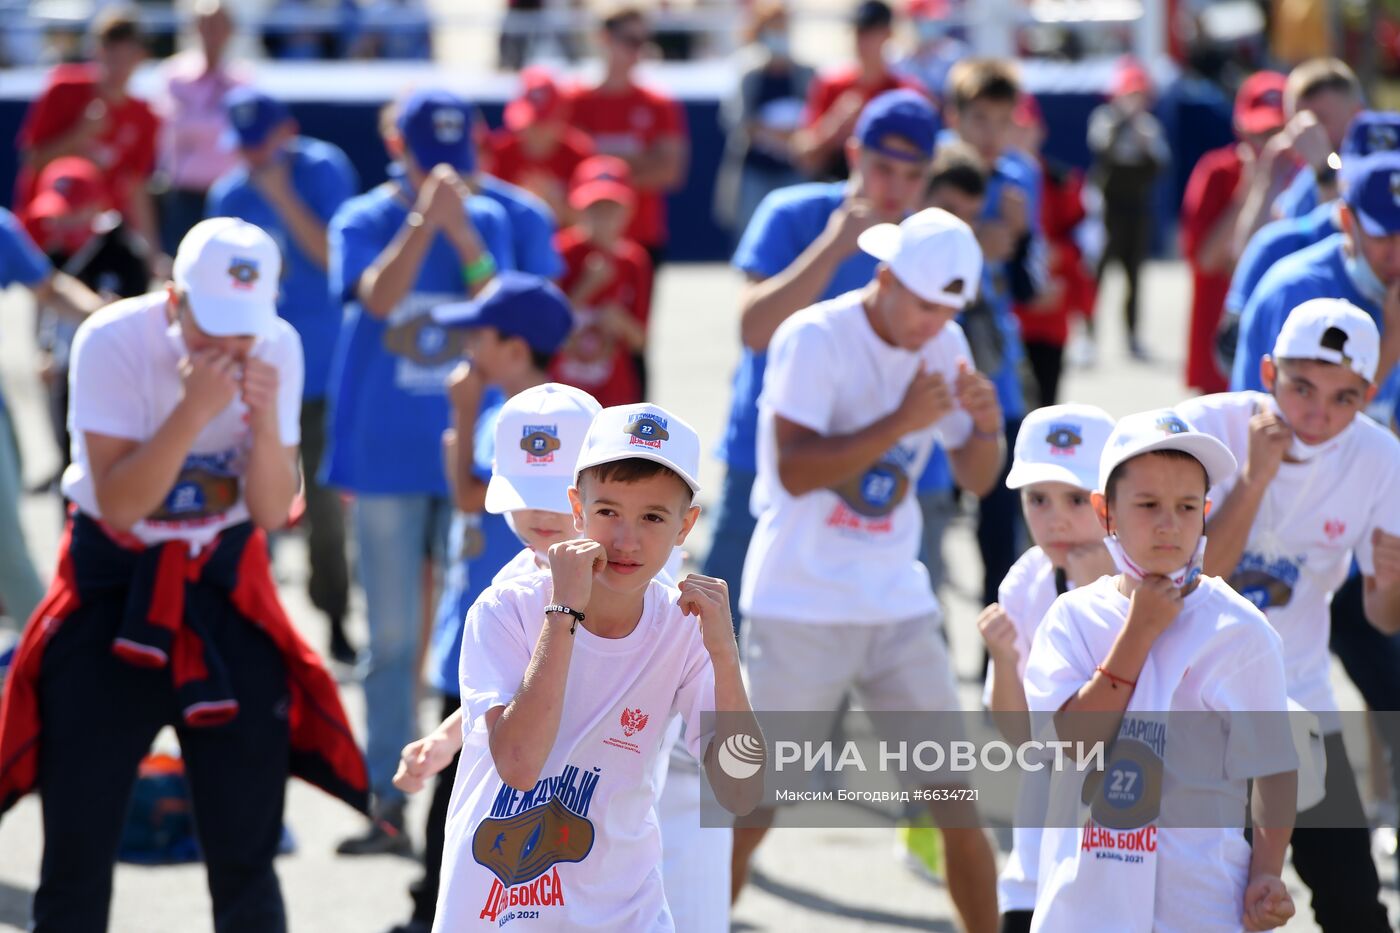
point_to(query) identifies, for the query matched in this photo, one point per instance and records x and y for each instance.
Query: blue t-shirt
(786, 222)
(1273, 242)
(324, 179)
(531, 227)
(482, 544)
(1299, 198)
(21, 260)
(1016, 171)
(388, 401)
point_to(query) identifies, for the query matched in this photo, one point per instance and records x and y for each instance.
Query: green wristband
(479, 271)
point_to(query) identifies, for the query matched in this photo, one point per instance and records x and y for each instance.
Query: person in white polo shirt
(185, 409)
(1319, 481)
(857, 391)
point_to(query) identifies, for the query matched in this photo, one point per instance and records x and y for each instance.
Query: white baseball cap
(1307, 334)
(645, 432)
(1164, 429)
(539, 433)
(229, 270)
(932, 253)
(1060, 444)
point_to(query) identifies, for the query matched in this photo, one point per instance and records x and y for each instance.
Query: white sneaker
(1082, 351)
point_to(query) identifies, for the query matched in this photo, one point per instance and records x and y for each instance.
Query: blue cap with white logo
(437, 128)
(900, 124)
(1371, 131)
(1371, 187)
(252, 116)
(516, 304)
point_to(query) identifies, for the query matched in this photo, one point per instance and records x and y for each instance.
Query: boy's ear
(687, 523)
(1268, 373)
(1100, 504)
(576, 501)
(1205, 510)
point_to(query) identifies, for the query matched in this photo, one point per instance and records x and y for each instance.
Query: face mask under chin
(1181, 577)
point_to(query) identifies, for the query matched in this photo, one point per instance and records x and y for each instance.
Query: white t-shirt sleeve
(800, 381)
(495, 654)
(1385, 510)
(1011, 597)
(284, 353)
(1224, 416)
(951, 347)
(696, 697)
(101, 374)
(1059, 663)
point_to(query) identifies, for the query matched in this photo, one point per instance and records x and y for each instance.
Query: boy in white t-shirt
(1055, 467)
(1318, 481)
(552, 822)
(856, 392)
(1156, 850)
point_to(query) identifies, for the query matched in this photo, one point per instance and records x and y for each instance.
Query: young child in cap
(1055, 468)
(561, 673)
(1155, 638)
(1319, 481)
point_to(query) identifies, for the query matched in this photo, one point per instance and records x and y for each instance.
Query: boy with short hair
(1055, 469)
(561, 673)
(1160, 637)
(1318, 481)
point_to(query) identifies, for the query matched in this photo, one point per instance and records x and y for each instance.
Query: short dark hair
(1110, 486)
(1317, 75)
(117, 24)
(957, 165)
(634, 470)
(990, 79)
(620, 14)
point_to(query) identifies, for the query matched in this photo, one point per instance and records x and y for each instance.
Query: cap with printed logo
(1334, 331)
(932, 253)
(900, 124)
(437, 129)
(1060, 444)
(539, 433)
(601, 178)
(252, 116)
(1371, 131)
(1371, 188)
(1163, 429)
(228, 269)
(516, 304)
(540, 99)
(645, 432)
(1259, 103)
(65, 186)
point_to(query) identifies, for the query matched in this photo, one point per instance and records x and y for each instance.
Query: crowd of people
(236, 338)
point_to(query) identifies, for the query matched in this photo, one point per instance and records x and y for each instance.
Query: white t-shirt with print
(582, 850)
(124, 381)
(1312, 517)
(1026, 594)
(849, 556)
(1218, 656)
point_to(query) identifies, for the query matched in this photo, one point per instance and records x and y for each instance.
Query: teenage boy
(800, 248)
(415, 242)
(1111, 660)
(858, 390)
(1317, 483)
(561, 673)
(291, 186)
(163, 610)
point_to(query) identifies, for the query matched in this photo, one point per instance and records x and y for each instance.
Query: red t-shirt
(1061, 211)
(508, 160)
(827, 88)
(1209, 193)
(626, 124)
(594, 360)
(125, 150)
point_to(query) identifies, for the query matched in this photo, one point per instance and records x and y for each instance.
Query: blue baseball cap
(1371, 131)
(437, 128)
(906, 115)
(252, 116)
(516, 304)
(1371, 188)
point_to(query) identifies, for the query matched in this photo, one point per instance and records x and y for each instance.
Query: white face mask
(1297, 450)
(776, 43)
(1180, 578)
(1364, 277)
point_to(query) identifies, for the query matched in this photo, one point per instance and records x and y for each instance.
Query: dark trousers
(999, 525)
(1336, 863)
(424, 891)
(100, 715)
(1127, 243)
(179, 210)
(1016, 921)
(329, 583)
(1047, 362)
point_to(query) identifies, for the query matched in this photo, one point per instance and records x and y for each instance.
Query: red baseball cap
(927, 9)
(540, 99)
(1259, 103)
(1131, 78)
(601, 178)
(69, 184)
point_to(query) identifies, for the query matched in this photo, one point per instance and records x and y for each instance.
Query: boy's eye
(1078, 500)
(1037, 499)
(653, 517)
(606, 513)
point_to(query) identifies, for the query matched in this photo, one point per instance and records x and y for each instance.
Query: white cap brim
(222, 317)
(512, 493)
(1219, 463)
(1024, 473)
(882, 241)
(637, 453)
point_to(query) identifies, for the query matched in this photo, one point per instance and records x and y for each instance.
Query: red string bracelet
(1114, 679)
